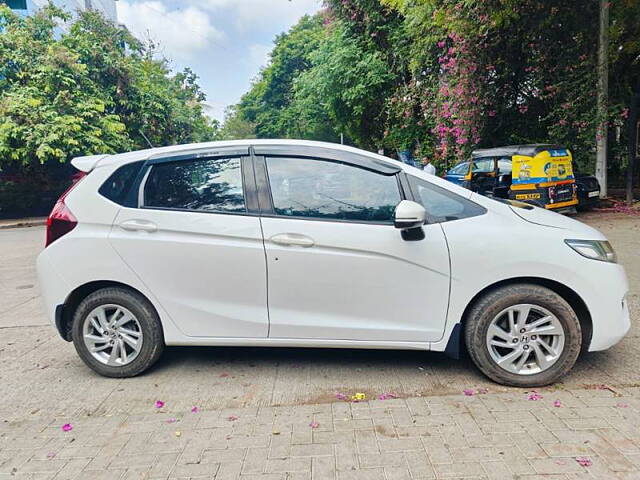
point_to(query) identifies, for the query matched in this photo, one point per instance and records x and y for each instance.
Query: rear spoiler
(88, 163)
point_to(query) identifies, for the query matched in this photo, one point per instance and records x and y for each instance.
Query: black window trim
(267, 209)
(328, 154)
(245, 164)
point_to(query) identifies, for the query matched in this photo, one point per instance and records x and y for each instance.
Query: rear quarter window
(119, 184)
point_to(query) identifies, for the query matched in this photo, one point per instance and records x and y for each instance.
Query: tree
(91, 89)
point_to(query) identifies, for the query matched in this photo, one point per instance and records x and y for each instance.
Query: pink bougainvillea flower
(172, 420)
(557, 404)
(468, 392)
(51, 455)
(195, 410)
(584, 461)
(341, 396)
(387, 396)
(622, 405)
(67, 427)
(534, 396)
(232, 418)
(159, 404)
(314, 424)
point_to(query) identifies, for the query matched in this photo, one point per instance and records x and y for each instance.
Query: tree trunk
(603, 88)
(633, 142)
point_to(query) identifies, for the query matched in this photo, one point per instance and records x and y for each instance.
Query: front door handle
(139, 226)
(293, 239)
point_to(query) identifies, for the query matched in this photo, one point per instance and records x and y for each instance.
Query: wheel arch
(570, 296)
(64, 317)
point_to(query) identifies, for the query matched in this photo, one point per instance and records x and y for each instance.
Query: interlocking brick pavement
(485, 436)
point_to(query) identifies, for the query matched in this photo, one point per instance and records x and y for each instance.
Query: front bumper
(609, 308)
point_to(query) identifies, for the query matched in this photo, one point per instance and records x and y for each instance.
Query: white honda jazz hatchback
(307, 244)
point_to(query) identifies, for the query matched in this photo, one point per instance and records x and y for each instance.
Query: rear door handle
(139, 226)
(293, 239)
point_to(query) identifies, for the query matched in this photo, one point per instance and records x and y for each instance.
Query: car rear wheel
(117, 332)
(523, 335)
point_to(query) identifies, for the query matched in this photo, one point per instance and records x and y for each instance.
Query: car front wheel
(117, 332)
(523, 335)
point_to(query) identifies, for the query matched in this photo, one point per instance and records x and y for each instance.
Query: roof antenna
(145, 137)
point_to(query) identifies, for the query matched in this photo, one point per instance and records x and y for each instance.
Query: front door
(337, 267)
(197, 247)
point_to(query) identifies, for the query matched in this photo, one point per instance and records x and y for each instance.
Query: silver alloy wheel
(112, 334)
(525, 339)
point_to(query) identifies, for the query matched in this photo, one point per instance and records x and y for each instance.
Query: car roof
(530, 150)
(347, 153)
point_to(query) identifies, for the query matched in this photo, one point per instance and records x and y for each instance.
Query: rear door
(196, 242)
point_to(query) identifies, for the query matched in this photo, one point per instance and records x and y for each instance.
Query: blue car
(456, 174)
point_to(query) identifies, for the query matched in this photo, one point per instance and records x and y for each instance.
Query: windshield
(460, 169)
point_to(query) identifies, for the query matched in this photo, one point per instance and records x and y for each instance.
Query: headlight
(594, 249)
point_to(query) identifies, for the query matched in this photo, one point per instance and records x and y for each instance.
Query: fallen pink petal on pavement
(67, 427)
(314, 424)
(557, 404)
(341, 396)
(159, 404)
(233, 418)
(468, 392)
(172, 420)
(534, 396)
(195, 410)
(387, 396)
(584, 461)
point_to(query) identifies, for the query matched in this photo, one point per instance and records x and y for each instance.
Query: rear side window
(321, 189)
(441, 204)
(209, 185)
(118, 185)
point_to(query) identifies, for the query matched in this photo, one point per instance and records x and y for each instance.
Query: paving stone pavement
(256, 406)
(482, 436)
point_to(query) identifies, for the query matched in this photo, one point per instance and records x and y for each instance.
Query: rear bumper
(53, 289)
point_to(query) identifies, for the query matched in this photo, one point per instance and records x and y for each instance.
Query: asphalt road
(42, 375)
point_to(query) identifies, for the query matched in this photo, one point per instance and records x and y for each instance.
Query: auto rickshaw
(541, 175)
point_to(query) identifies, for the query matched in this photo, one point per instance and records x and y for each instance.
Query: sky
(225, 42)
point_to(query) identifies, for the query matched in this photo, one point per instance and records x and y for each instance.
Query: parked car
(308, 244)
(457, 173)
(588, 190)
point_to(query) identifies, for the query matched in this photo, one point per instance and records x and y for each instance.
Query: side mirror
(409, 215)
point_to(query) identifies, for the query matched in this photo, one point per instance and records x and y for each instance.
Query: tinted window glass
(205, 185)
(118, 185)
(331, 190)
(441, 204)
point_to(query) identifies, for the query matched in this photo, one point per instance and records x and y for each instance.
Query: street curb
(23, 223)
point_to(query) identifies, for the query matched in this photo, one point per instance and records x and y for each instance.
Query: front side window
(330, 190)
(209, 185)
(441, 204)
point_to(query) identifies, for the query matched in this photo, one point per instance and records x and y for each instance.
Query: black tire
(145, 313)
(492, 303)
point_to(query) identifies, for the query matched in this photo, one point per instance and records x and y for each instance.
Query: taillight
(552, 194)
(61, 221)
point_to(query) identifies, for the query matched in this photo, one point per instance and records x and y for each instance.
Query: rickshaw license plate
(528, 196)
(594, 194)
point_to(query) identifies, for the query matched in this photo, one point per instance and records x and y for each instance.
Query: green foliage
(443, 77)
(91, 89)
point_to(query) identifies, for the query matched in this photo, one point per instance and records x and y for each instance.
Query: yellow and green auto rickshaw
(538, 174)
